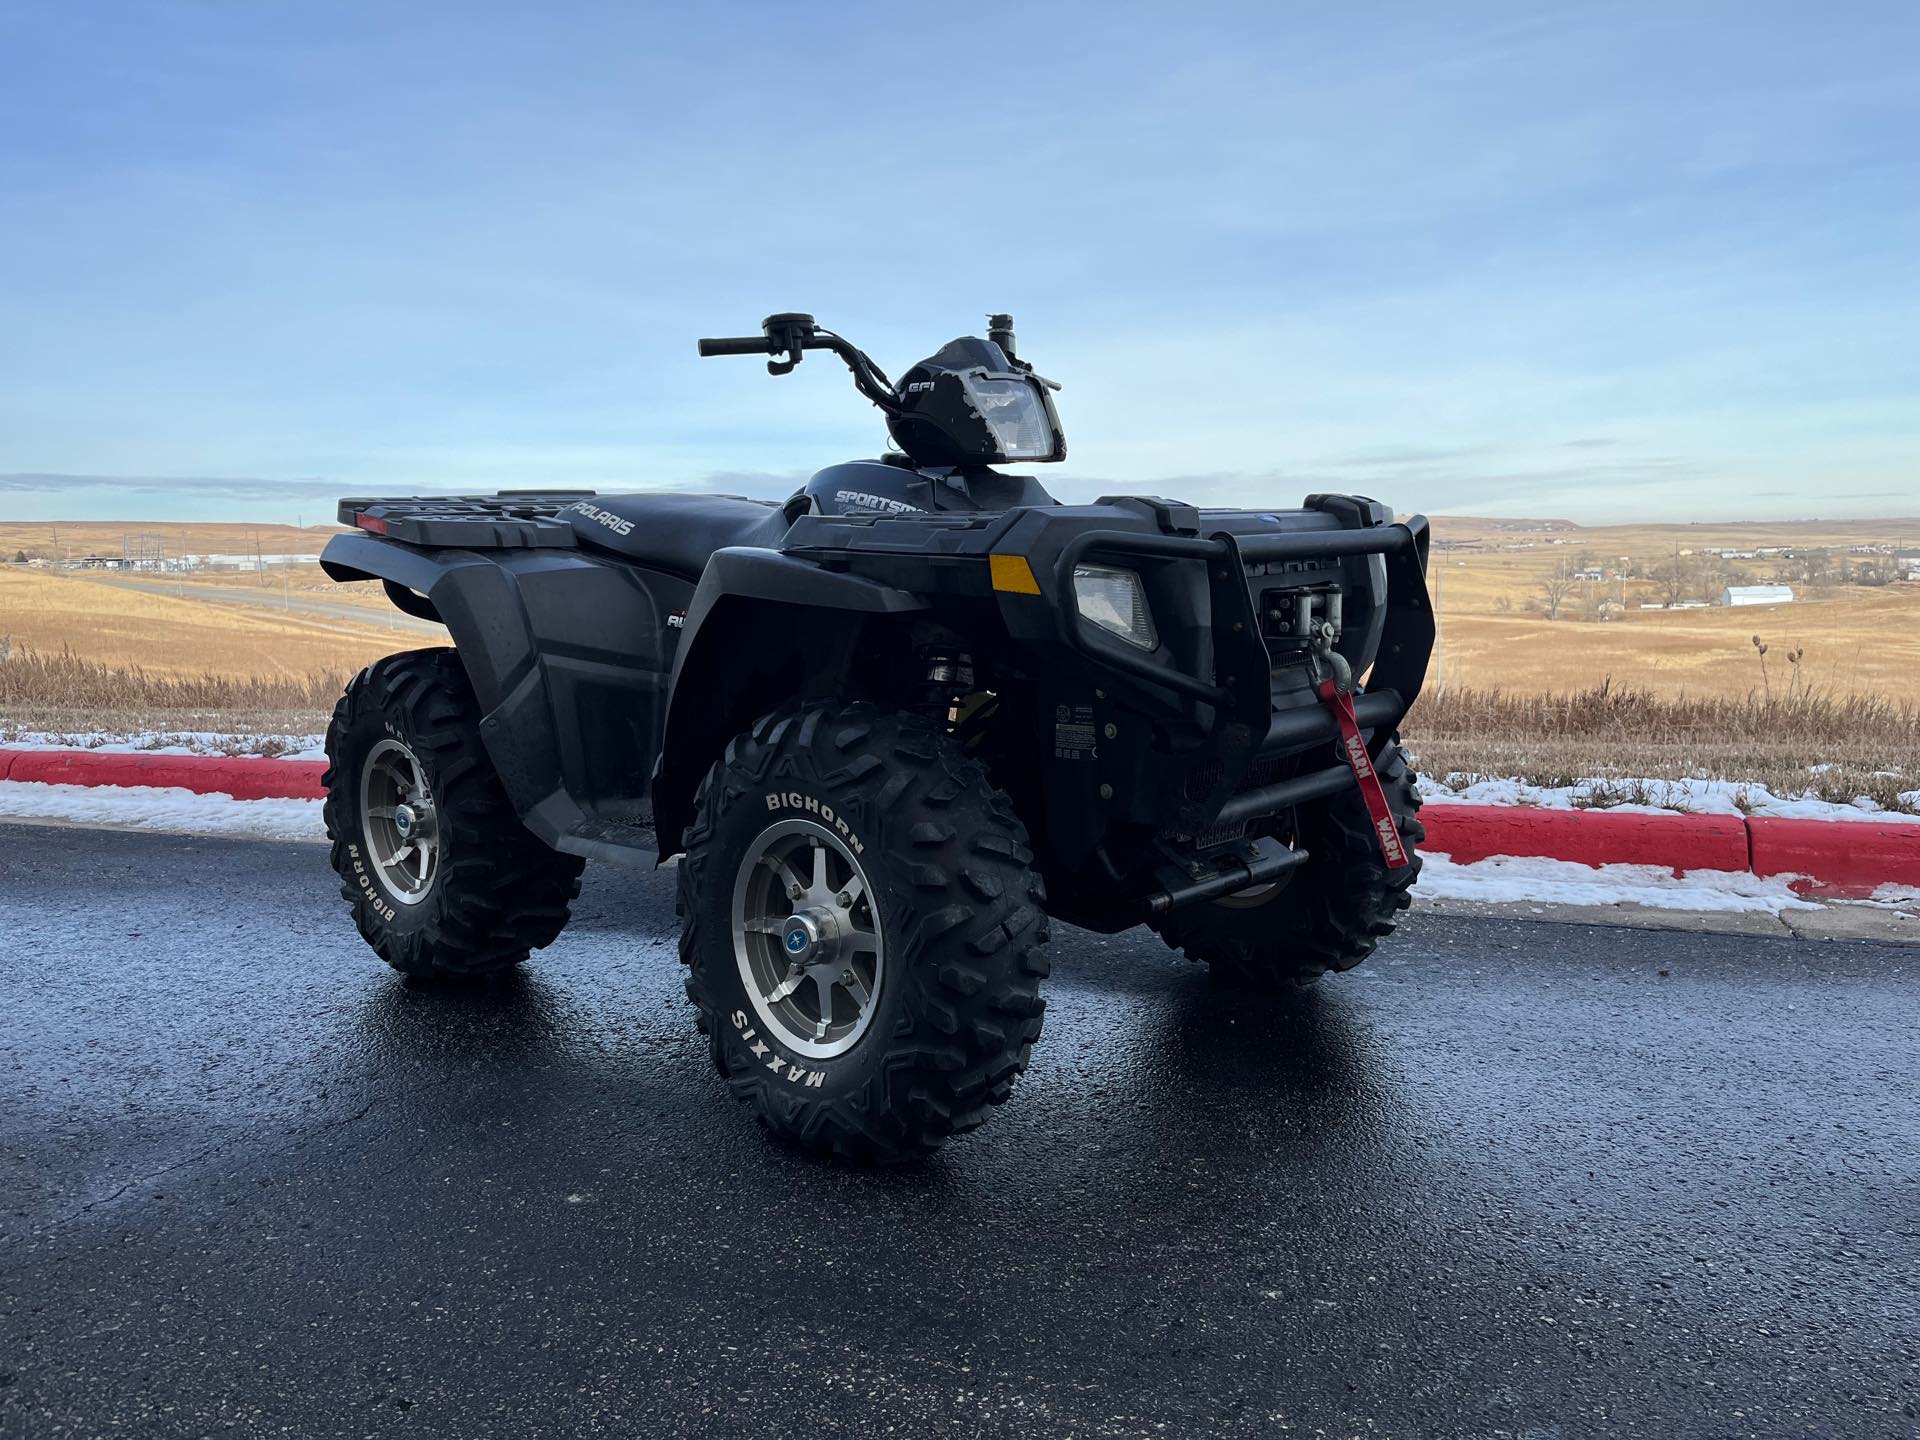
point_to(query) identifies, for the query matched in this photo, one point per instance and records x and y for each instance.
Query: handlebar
(790, 335)
(738, 345)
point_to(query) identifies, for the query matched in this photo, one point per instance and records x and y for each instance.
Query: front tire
(862, 931)
(442, 877)
(1330, 914)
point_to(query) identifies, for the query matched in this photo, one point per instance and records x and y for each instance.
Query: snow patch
(165, 808)
(1696, 797)
(170, 742)
(1567, 882)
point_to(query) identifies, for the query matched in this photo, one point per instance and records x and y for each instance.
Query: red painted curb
(1466, 833)
(206, 774)
(1837, 858)
(1845, 859)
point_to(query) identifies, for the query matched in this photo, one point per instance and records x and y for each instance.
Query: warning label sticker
(1073, 737)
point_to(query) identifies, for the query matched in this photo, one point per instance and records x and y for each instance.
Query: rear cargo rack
(509, 520)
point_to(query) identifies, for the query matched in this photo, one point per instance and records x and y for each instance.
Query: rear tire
(897, 999)
(1332, 912)
(473, 890)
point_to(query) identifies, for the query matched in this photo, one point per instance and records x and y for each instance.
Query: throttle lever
(789, 331)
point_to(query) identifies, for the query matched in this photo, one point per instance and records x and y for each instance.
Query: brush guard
(1193, 873)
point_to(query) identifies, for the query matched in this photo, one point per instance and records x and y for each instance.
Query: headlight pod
(1116, 602)
(1013, 412)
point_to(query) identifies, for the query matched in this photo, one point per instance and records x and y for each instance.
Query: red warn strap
(1354, 750)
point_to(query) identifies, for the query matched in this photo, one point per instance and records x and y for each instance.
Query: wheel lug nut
(844, 898)
(794, 892)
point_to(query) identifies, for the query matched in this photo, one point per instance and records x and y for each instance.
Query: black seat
(677, 532)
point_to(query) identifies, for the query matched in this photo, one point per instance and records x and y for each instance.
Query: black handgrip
(737, 345)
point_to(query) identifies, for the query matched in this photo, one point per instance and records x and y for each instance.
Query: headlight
(1116, 601)
(1015, 415)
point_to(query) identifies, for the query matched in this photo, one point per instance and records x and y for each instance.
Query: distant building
(1757, 595)
(243, 560)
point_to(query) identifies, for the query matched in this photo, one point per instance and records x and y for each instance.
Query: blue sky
(1600, 261)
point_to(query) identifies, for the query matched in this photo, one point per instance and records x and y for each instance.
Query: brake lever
(789, 331)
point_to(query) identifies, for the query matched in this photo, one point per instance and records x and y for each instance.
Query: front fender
(744, 650)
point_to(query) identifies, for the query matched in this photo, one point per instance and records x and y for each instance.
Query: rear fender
(764, 629)
(566, 653)
(474, 598)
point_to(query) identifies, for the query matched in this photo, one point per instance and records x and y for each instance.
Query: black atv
(889, 726)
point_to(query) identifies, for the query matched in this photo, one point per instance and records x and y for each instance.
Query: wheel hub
(812, 937)
(397, 822)
(807, 938)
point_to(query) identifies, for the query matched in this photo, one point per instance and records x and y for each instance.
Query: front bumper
(1191, 750)
(1250, 702)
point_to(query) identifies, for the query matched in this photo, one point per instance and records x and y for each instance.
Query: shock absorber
(949, 675)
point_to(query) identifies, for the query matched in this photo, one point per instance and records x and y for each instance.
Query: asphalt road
(1510, 1179)
(273, 599)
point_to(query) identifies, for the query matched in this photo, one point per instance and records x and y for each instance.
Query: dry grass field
(1489, 578)
(60, 539)
(1808, 743)
(1656, 693)
(1852, 642)
(1487, 575)
(110, 622)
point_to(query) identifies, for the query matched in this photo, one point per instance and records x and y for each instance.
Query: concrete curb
(1591, 837)
(243, 779)
(1824, 859)
(1846, 859)
(1836, 859)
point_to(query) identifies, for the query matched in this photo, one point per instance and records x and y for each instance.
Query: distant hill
(1642, 538)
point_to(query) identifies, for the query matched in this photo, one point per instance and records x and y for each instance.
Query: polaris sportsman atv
(889, 725)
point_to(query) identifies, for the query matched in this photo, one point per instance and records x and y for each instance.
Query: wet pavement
(1508, 1179)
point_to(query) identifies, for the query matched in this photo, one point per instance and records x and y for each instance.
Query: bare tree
(1671, 579)
(1558, 584)
(1813, 566)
